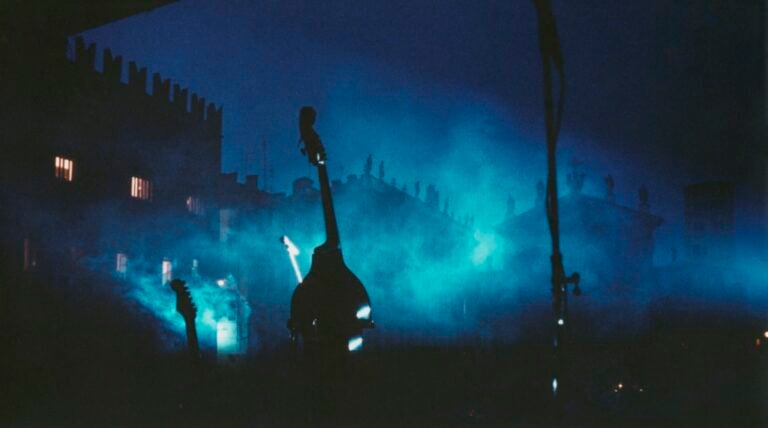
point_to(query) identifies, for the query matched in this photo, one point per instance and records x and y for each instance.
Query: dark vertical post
(551, 57)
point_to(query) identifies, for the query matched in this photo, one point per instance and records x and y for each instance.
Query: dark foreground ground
(397, 387)
(81, 363)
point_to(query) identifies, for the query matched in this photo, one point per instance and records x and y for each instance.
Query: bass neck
(331, 228)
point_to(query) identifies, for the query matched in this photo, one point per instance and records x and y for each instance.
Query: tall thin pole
(549, 47)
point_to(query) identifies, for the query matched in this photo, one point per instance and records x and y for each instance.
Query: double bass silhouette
(330, 307)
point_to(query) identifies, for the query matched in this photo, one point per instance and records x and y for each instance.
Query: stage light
(293, 251)
(355, 344)
(554, 385)
(364, 312)
(560, 322)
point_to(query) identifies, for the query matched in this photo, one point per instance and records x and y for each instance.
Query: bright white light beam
(293, 251)
(364, 312)
(355, 344)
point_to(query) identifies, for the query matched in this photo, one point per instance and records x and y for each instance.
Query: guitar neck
(192, 343)
(331, 229)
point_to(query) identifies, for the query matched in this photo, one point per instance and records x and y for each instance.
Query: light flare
(364, 312)
(293, 251)
(355, 344)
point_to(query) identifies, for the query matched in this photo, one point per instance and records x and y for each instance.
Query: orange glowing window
(141, 188)
(64, 168)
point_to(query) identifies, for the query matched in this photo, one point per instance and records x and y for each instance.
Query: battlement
(195, 107)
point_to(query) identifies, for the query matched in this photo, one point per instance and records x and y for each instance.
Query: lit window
(121, 264)
(167, 271)
(194, 206)
(64, 168)
(141, 188)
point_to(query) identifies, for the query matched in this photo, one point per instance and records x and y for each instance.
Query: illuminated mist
(429, 283)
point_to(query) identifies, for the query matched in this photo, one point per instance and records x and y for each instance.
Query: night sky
(661, 93)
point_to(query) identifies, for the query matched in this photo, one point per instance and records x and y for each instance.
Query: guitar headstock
(313, 147)
(184, 304)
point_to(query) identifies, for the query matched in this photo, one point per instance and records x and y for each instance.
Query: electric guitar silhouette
(188, 310)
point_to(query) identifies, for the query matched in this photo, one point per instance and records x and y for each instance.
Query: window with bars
(64, 168)
(141, 188)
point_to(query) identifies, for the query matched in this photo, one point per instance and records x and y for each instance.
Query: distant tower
(709, 211)
(609, 185)
(417, 189)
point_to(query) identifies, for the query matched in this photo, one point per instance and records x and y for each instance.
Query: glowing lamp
(765, 334)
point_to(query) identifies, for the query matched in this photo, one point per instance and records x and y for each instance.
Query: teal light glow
(226, 337)
(486, 245)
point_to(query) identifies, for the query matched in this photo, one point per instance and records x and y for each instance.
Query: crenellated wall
(194, 106)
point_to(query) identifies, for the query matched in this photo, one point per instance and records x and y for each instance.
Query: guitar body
(324, 306)
(330, 307)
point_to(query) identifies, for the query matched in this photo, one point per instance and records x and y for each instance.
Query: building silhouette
(611, 246)
(709, 210)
